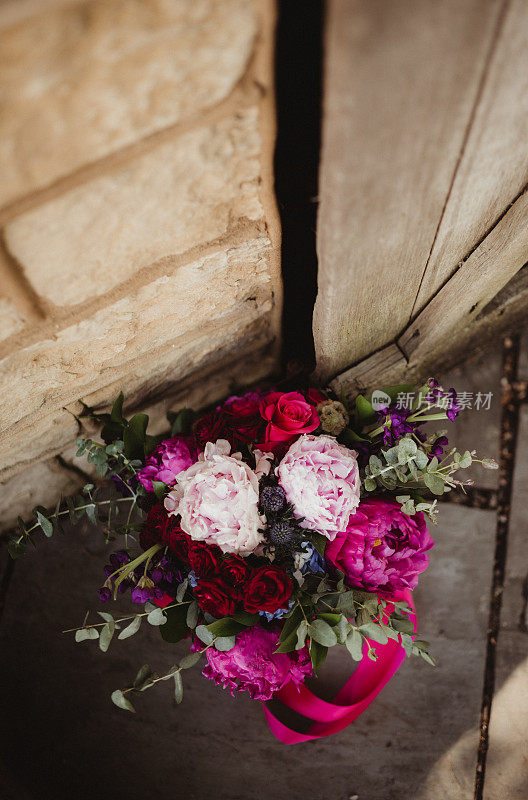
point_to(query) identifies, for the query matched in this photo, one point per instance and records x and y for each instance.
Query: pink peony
(382, 548)
(218, 501)
(321, 480)
(167, 460)
(253, 666)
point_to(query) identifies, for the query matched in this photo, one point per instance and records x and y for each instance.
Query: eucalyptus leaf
(86, 633)
(224, 643)
(192, 614)
(204, 634)
(428, 657)
(142, 676)
(322, 633)
(465, 461)
(131, 629)
(119, 699)
(317, 654)
(402, 625)
(434, 483)
(157, 617)
(302, 632)
(180, 592)
(375, 632)
(354, 644)
(45, 524)
(178, 687)
(189, 660)
(341, 629)
(105, 637)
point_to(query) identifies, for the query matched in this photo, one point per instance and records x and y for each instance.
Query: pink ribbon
(365, 683)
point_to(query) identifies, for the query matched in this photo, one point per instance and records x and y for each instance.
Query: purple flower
(382, 548)
(104, 594)
(145, 590)
(252, 665)
(395, 425)
(168, 460)
(437, 448)
(447, 400)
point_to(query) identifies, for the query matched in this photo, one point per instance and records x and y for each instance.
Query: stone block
(174, 322)
(40, 484)
(81, 80)
(11, 320)
(138, 219)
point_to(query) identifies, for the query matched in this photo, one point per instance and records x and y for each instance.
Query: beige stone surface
(178, 319)
(139, 247)
(11, 321)
(184, 193)
(80, 80)
(22, 445)
(40, 484)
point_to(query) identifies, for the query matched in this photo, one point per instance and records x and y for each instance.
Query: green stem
(124, 619)
(131, 565)
(164, 677)
(78, 508)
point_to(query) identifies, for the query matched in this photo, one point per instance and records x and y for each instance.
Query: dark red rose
(215, 596)
(315, 396)
(288, 416)
(235, 570)
(242, 418)
(204, 558)
(267, 589)
(154, 526)
(177, 540)
(209, 428)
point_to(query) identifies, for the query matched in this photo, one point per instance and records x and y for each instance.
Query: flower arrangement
(266, 531)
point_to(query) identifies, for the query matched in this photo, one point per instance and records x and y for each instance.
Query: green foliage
(181, 421)
(327, 612)
(175, 628)
(408, 466)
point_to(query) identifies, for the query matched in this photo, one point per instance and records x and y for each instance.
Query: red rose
(204, 558)
(177, 540)
(154, 526)
(268, 589)
(215, 596)
(315, 396)
(234, 569)
(288, 415)
(242, 418)
(209, 428)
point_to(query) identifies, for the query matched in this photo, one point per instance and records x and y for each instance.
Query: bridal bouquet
(266, 531)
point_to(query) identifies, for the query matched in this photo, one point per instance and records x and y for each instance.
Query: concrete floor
(62, 737)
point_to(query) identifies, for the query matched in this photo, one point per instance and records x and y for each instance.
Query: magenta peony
(253, 666)
(167, 460)
(382, 548)
(217, 499)
(321, 480)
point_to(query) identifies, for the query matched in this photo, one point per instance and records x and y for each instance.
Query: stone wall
(139, 234)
